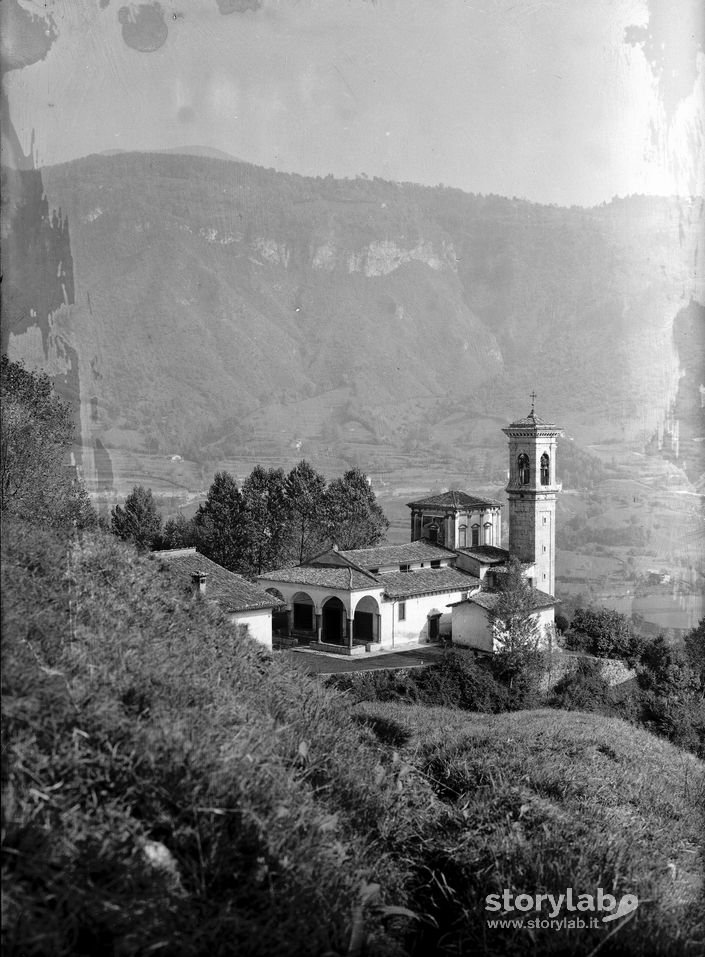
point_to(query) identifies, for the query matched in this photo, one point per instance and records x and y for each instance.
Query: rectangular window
(436, 563)
(405, 568)
(402, 611)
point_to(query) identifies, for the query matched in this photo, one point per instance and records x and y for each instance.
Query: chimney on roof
(199, 583)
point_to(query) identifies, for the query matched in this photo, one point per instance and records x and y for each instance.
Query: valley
(203, 314)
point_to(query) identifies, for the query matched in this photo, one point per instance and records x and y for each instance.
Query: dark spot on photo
(143, 26)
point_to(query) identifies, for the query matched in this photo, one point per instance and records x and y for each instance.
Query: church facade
(442, 582)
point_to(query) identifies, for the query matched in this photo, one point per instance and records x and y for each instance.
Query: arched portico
(303, 614)
(333, 621)
(366, 621)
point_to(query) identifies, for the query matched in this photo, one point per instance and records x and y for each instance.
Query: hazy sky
(565, 101)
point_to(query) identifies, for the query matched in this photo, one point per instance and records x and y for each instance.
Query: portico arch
(333, 621)
(303, 612)
(366, 620)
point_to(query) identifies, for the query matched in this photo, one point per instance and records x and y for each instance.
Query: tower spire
(533, 402)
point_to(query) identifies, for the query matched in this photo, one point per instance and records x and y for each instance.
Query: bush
(458, 680)
(604, 634)
(583, 688)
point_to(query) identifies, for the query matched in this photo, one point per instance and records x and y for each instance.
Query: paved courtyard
(319, 663)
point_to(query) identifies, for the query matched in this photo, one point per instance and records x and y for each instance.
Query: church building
(445, 581)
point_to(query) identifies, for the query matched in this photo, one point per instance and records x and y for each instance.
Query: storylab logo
(560, 911)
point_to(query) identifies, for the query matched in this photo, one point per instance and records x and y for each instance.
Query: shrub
(583, 688)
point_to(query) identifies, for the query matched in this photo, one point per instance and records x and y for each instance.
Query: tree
(222, 524)
(354, 517)
(604, 633)
(179, 532)
(139, 521)
(305, 494)
(265, 501)
(515, 632)
(695, 650)
(36, 432)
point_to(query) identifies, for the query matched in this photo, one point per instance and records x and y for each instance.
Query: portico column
(319, 626)
(290, 620)
(350, 632)
(378, 633)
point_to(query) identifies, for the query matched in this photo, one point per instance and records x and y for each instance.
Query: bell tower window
(545, 469)
(524, 469)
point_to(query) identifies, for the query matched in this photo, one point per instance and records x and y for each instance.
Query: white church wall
(414, 626)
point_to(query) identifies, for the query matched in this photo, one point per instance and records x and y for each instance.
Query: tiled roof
(420, 551)
(454, 499)
(232, 592)
(425, 581)
(488, 599)
(532, 421)
(328, 576)
(486, 553)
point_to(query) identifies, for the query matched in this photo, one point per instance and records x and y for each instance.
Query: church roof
(487, 554)
(327, 576)
(488, 599)
(535, 423)
(419, 551)
(454, 499)
(425, 581)
(232, 592)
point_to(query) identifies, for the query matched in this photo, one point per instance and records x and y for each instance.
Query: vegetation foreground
(170, 788)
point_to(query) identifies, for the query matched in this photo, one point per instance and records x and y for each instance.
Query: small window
(402, 611)
(475, 535)
(544, 548)
(545, 469)
(545, 520)
(405, 568)
(524, 469)
(436, 563)
(374, 571)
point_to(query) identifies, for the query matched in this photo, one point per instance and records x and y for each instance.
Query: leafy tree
(672, 695)
(264, 498)
(604, 633)
(139, 521)
(222, 524)
(305, 493)
(695, 650)
(516, 634)
(36, 431)
(355, 519)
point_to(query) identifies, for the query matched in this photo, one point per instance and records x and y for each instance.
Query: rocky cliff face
(173, 296)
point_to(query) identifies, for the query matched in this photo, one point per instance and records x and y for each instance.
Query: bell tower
(532, 491)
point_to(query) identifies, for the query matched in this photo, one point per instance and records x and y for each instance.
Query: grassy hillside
(539, 801)
(210, 308)
(168, 787)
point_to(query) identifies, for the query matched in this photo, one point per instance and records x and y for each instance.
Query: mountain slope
(198, 291)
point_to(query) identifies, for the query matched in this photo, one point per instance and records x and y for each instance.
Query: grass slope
(168, 787)
(539, 801)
